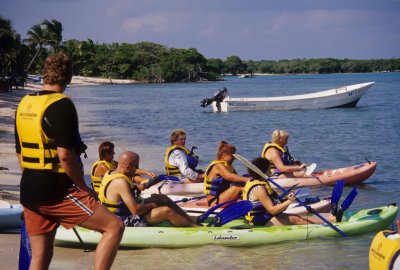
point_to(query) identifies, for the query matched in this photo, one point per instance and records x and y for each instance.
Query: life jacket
(192, 160)
(258, 209)
(217, 185)
(37, 150)
(384, 253)
(285, 156)
(96, 181)
(118, 208)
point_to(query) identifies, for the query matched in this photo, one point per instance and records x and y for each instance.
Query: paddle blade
(349, 199)
(230, 213)
(346, 204)
(160, 178)
(336, 194)
(206, 214)
(25, 251)
(310, 169)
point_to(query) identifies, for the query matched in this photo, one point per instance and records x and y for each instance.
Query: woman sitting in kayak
(282, 163)
(267, 212)
(221, 182)
(106, 162)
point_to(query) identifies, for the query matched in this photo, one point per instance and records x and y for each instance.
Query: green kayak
(235, 232)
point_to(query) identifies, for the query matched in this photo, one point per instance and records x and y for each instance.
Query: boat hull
(351, 175)
(347, 96)
(10, 216)
(358, 222)
(201, 206)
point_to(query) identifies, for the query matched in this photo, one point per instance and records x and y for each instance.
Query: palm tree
(10, 42)
(53, 30)
(36, 38)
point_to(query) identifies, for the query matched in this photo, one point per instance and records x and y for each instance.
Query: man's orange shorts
(73, 209)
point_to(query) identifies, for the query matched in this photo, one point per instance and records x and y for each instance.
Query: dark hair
(57, 69)
(263, 164)
(105, 148)
(225, 148)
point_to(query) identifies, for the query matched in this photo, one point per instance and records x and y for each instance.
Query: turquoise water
(141, 117)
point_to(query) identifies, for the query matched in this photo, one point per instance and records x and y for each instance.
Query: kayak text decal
(226, 237)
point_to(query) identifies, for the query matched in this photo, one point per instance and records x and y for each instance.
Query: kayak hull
(358, 222)
(200, 206)
(10, 216)
(351, 175)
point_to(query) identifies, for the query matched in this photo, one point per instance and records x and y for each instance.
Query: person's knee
(116, 226)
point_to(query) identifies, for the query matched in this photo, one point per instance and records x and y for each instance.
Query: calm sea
(140, 117)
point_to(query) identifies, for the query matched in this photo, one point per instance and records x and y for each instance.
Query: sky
(252, 30)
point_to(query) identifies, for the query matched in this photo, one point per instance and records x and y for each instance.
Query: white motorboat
(342, 97)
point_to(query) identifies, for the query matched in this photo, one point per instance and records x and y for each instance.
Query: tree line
(151, 62)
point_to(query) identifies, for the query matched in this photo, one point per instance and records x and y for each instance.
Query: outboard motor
(218, 98)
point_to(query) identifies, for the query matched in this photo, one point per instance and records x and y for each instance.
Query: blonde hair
(225, 148)
(278, 135)
(175, 134)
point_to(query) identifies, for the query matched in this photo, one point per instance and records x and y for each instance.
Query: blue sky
(252, 30)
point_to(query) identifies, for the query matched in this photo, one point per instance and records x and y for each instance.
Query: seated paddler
(106, 162)
(120, 195)
(267, 209)
(180, 161)
(221, 182)
(282, 163)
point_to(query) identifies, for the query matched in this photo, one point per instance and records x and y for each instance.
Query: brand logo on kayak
(226, 237)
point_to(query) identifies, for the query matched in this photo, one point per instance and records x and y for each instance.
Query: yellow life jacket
(118, 208)
(214, 188)
(246, 196)
(37, 150)
(384, 253)
(283, 154)
(96, 181)
(171, 169)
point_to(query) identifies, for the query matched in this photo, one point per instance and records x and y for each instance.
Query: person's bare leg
(291, 219)
(112, 230)
(160, 214)
(42, 250)
(233, 192)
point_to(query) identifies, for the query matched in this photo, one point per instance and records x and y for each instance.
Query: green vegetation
(151, 62)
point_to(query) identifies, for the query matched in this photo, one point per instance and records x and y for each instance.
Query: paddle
(346, 203)
(310, 169)
(230, 213)
(25, 251)
(251, 166)
(160, 178)
(190, 199)
(335, 197)
(206, 214)
(80, 240)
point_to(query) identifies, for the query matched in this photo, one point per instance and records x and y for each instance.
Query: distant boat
(342, 97)
(247, 76)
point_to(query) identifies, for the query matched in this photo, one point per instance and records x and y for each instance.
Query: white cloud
(158, 22)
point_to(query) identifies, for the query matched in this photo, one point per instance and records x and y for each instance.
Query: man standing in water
(53, 190)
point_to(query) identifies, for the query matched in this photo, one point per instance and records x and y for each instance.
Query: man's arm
(120, 188)
(69, 162)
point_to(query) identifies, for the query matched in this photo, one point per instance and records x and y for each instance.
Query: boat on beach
(235, 233)
(351, 175)
(10, 216)
(341, 97)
